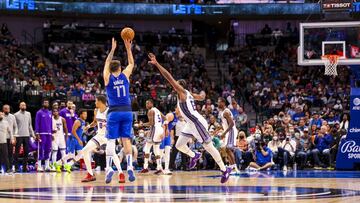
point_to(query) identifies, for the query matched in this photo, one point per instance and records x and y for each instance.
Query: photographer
(262, 156)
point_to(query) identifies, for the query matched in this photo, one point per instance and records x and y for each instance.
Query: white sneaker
(285, 168)
(40, 169)
(98, 168)
(251, 169)
(167, 172)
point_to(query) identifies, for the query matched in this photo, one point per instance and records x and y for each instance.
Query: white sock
(54, 156)
(158, 157)
(129, 160)
(110, 151)
(108, 162)
(146, 150)
(39, 163)
(146, 163)
(209, 147)
(87, 162)
(47, 163)
(63, 153)
(167, 157)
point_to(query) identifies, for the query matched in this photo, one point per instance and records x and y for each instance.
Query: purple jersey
(70, 120)
(43, 122)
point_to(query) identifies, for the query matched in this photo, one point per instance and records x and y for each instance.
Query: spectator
(241, 147)
(287, 151)
(322, 142)
(242, 120)
(344, 122)
(5, 30)
(274, 146)
(208, 105)
(234, 108)
(298, 115)
(266, 30)
(316, 120)
(25, 131)
(332, 119)
(60, 93)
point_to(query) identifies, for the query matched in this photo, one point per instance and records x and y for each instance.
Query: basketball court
(331, 43)
(201, 186)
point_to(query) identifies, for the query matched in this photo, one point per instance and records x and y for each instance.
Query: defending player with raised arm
(196, 125)
(120, 117)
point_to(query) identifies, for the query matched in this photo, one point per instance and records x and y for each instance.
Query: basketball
(127, 33)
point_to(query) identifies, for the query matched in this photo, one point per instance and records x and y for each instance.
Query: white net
(330, 62)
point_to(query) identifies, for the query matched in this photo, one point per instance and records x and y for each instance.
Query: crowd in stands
(302, 112)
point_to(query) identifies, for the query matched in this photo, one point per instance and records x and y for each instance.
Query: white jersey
(59, 136)
(101, 121)
(230, 137)
(58, 126)
(196, 125)
(188, 109)
(224, 122)
(158, 121)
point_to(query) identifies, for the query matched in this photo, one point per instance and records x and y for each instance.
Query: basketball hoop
(330, 61)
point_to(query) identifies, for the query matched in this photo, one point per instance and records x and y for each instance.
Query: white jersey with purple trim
(188, 108)
(158, 121)
(59, 136)
(157, 130)
(196, 125)
(100, 138)
(230, 137)
(101, 121)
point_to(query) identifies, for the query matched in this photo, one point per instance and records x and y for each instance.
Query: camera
(258, 145)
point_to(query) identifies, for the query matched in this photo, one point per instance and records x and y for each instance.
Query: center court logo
(356, 103)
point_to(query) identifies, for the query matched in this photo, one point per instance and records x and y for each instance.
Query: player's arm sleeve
(37, 122)
(15, 126)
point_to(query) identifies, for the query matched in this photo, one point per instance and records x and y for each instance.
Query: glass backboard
(323, 38)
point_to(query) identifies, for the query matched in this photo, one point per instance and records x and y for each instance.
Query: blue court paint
(166, 193)
(297, 174)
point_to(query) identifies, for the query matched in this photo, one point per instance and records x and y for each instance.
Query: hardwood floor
(199, 186)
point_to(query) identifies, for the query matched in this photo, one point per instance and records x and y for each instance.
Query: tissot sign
(349, 149)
